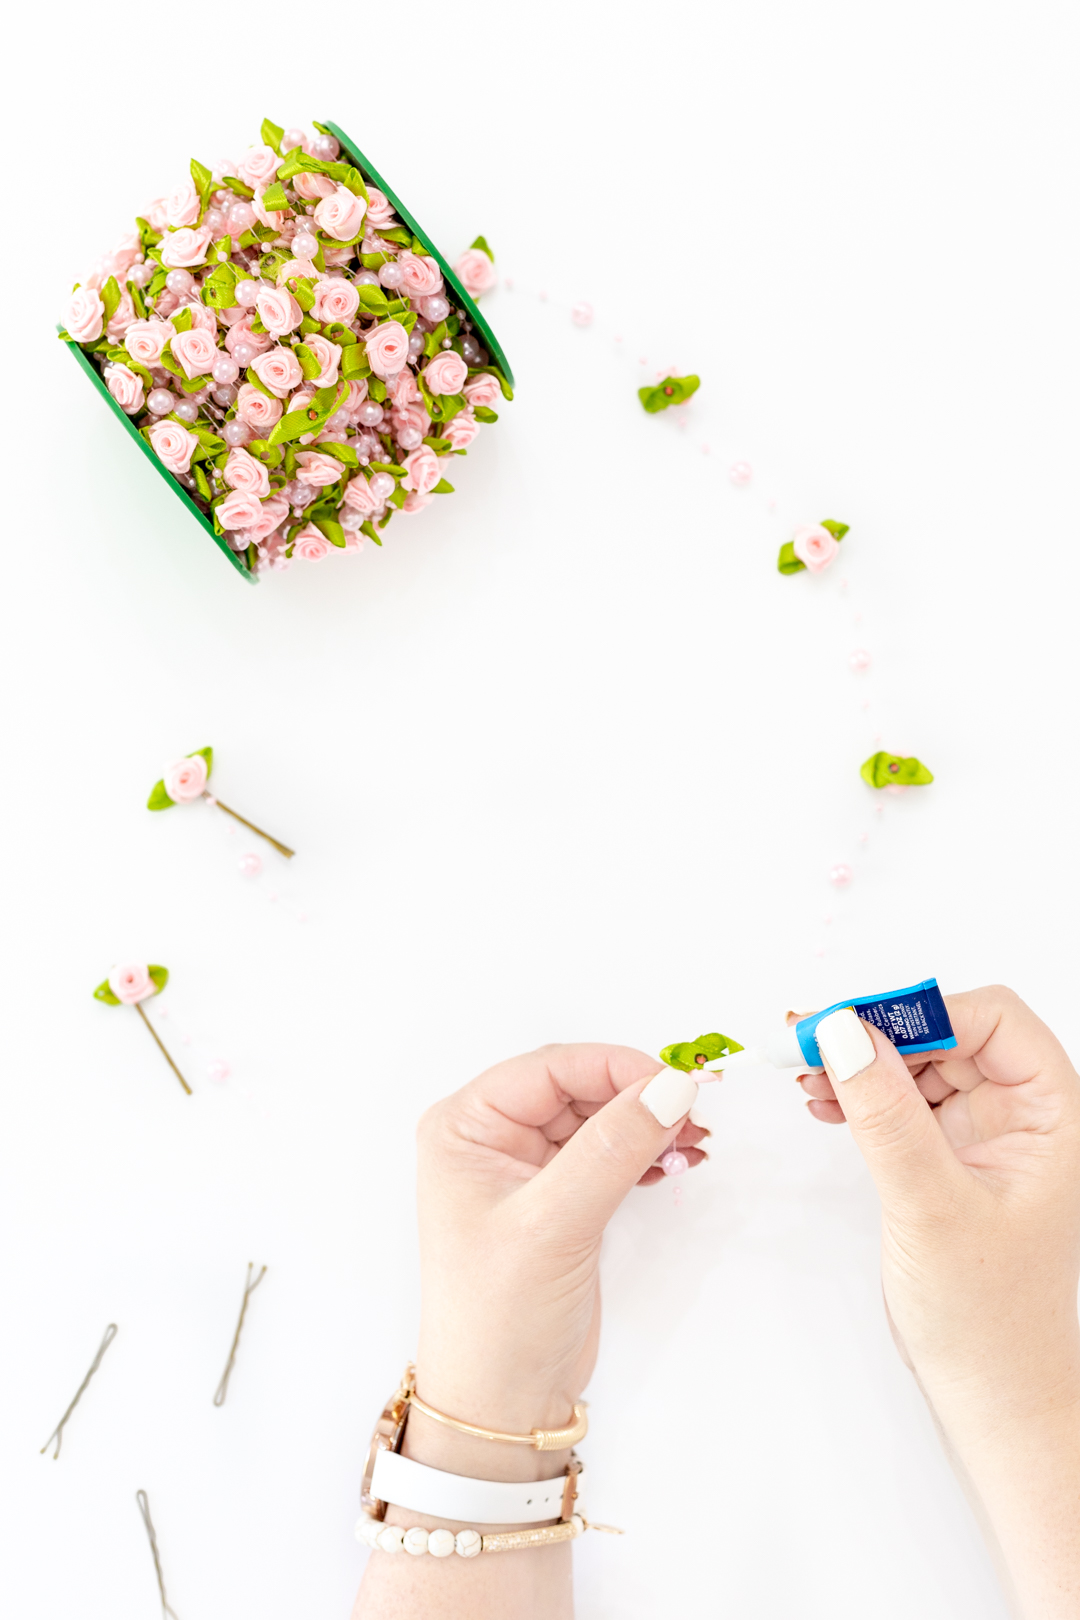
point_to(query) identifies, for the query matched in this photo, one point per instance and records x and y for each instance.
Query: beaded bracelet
(392, 1538)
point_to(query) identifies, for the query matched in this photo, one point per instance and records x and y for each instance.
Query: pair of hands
(975, 1153)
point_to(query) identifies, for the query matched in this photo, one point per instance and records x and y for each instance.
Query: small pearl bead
(467, 1543)
(180, 282)
(186, 410)
(225, 369)
(390, 1538)
(448, 343)
(244, 354)
(859, 660)
(470, 349)
(140, 274)
(250, 865)
(674, 1163)
(218, 1070)
(416, 344)
(370, 413)
(582, 314)
(291, 139)
(382, 486)
(247, 292)
(365, 278)
(840, 875)
(225, 395)
(740, 472)
(241, 217)
(410, 438)
(416, 1541)
(440, 1543)
(236, 432)
(304, 245)
(325, 148)
(160, 401)
(391, 274)
(435, 308)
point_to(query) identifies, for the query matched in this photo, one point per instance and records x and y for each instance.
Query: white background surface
(567, 759)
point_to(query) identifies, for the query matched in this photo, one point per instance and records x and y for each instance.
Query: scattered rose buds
(812, 547)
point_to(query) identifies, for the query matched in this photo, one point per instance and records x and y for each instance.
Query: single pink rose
(84, 317)
(267, 216)
(145, 340)
(310, 544)
(387, 348)
(123, 317)
(317, 470)
(239, 511)
(185, 779)
(402, 389)
(201, 316)
(182, 207)
(258, 166)
(814, 546)
(411, 416)
(256, 409)
(335, 300)
(358, 495)
(185, 247)
(446, 373)
(379, 211)
(313, 187)
(131, 983)
(173, 445)
(278, 311)
(341, 215)
(126, 388)
(156, 215)
(241, 333)
(357, 395)
(244, 473)
(128, 251)
(195, 350)
(422, 470)
(476, 272)
(420, 278)
(462, 430)
(415, 502)
(483, 391)
(279, 369)
(272, 513)
(354, 540)
(328, 355)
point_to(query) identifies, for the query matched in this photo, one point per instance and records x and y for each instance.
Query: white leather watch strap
(410, 1484)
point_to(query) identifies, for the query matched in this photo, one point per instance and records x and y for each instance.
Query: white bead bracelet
(392, 1538)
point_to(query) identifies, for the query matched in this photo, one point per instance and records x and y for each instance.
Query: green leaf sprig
(704, 1053)
(672, 391)
(883, 770)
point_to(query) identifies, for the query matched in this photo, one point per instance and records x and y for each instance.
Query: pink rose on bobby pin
(129, 985)
(185, 780)
(812, 547)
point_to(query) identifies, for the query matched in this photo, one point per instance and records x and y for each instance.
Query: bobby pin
(58, 1433)
(144, 1509)
(249, 1289)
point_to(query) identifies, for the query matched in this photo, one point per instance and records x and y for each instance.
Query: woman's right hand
(976, 1157)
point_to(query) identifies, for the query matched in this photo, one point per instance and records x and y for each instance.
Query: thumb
(592, 1173)
(892, 1123)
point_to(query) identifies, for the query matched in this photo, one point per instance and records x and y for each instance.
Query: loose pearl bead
(416, 344)
(370, 413)
(410, 438)
(291, 139)
(325, 148)
(225, 369)
(160, 401)
(250, 865)
(436, 307)
(470, 350)
(225, 395)
(241, 217)
(235, 433)
(214, 219)
(674, 1163)
(186, 410)
(448, 343)
(582, 314)
(244, 354)
(840, 875)
(304, 245)
(416, 1541)
(247, 292)
(366, 278)
(740, 472)
(467, 1543)
(391, 1537)
(382, 486)
(140, 274)
(218, 1070)
(440, 1543)
(859, 660)
(180, 281)
(391, 274)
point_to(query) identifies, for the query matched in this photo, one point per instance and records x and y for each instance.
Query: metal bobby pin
(58, 1433)
(144, 1509)
(249, 1289)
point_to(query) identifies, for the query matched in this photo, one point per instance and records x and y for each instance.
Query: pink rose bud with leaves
(342, 215)
(239, 511)
(145, 340)
(387, 349)
(420, 278)
(126, 387)
(310, 544)
(278, 311)
(446, 373)
(84, 317)
(318, 470)
(122, 317)
(257, 409)
(185, 779)
(173, 445)
(358, 495)
(814, 546)
(476, 272)
(335, 300)
(185, 247)
(182, 207)
(278, 369)
(422, 470)
(328, 355)
(462, 430)
(131, 983)
(258, 166)
(312, 187)
(195, 350)
(244, 473)
(483, 391)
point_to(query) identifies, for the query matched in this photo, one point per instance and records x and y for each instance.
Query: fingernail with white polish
(845, 1044)
(669, 1095)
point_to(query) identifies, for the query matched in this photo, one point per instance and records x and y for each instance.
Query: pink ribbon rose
(258, 166)
(85, 315)
(131, 983)
(341, 215)
(185, 247)
(411, 416)
(196, 351)
(244, 473)
(387, 349)
(123, 317)
(483, 391)
(415, 502)
(201, 316)
(420, 278)
(313, 186)
(358, 495)
(185, 779)
(462, 430)
(403, 390)
(814, 546)
(279, 369)
(270, 515)
(422, 470)
(310, 543)
(145, 340)
(318, 470)
(379, 211)
(182, 207)
(126, 388)
(278, 310)
(241, 333)
(335, 300)
(446, 373)
(257, 409)
(476, 272)
(327, 354)
(239, 511)
(173, 445)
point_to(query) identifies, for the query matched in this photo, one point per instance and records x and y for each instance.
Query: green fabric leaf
(353, 180)
(103, 993)
(390, 467)
(440, 446)
(377, 390)
(208, 755)
(322, 129)
(837, 530)
(252, 376)
(375, 261)
(333, 531)
(418, 248)
(308, 325)
(302, 290)
(483, 414)
(888, 770)
(339, 334)
(368, 528)
(265, 452)
(159, 974)
(394, 233)
(137, 300)
(340, 452)
(191, 386)
(148, 237)
(169, 364)
(443, 488)
(493, 371)
(787, 562)
(219, 253)
(481, 243)
(373, 299)
(685, 1054)
(672, 391)
(274, 199)
(238, 186)
(307, 361)
(110, 297)
(203, 181)
(271, 134)
(397, 498)
(159, 799)
(354, 363)
(181, 320)
(433, 342)
(201, 482)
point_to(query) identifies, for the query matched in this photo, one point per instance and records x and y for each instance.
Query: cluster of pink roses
(289, 350)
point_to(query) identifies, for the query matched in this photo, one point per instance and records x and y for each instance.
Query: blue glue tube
(915, 1020)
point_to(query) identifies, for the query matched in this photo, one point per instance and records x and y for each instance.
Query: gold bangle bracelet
(538, 1439)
